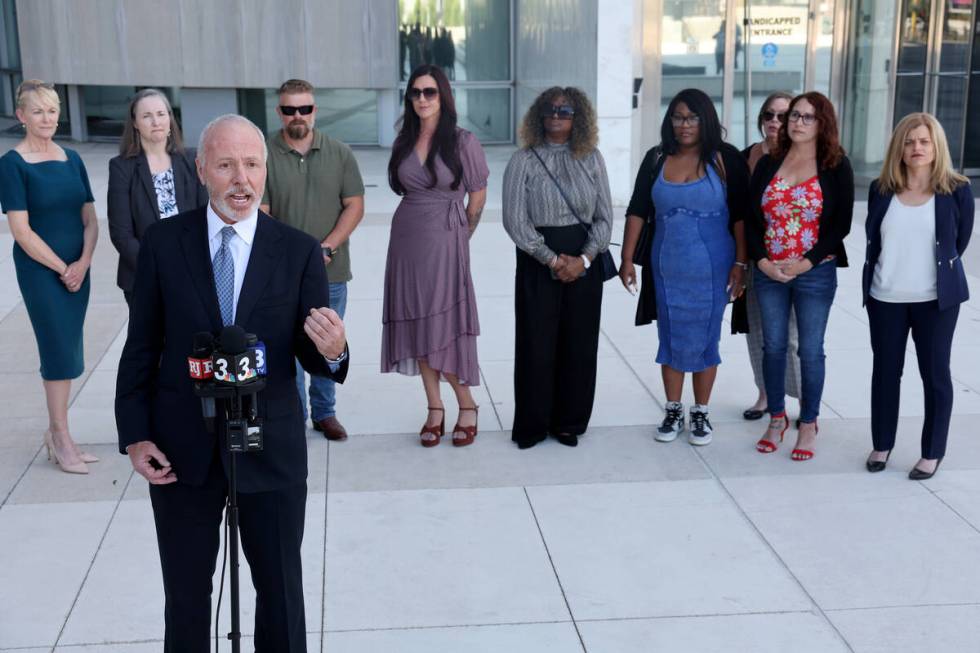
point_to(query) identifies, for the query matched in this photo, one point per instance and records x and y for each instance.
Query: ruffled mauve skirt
(429, 309)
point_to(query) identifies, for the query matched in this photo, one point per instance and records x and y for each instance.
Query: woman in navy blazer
(920, 217)
(153, 177)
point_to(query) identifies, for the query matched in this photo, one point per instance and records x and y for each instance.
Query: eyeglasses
(769, 116)
(691, 119)
(35, 85)
(806, 118)
(304, 110)
(429, 93)
(559, 111)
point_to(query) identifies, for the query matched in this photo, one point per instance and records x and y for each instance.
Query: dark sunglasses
(304, 110)
(429, 92)
(768, 116)
(563, 112)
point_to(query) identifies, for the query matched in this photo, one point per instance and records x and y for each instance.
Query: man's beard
(297, 129)
(222, 205)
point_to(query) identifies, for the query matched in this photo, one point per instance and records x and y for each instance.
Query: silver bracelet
(744, 266)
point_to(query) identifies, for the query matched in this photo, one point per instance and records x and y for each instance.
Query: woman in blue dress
(688, 204)
(45, 192)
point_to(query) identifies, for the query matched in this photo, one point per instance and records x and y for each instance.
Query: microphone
(201, 369)
(234, 361)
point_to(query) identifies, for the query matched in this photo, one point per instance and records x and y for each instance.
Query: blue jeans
(810, 295)
(323, 393)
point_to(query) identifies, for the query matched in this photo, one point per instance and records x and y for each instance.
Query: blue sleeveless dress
(691, 257)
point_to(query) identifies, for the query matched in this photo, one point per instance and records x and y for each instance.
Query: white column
(619, 61)
(388, 113)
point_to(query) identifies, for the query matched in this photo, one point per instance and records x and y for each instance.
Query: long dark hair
(709, 127)
(129, 145)
(444, 141)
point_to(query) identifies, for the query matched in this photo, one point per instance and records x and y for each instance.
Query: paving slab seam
(554, 570)
(612, 343)
(494, 624)
(323, 575)
(493, 404)
(20, 478)
(751, 613)
(81, 586)
(905, 607)
(819, 610)
(952, 509)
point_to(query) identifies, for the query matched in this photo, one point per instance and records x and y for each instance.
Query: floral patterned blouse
(163, 183)
(792, 217)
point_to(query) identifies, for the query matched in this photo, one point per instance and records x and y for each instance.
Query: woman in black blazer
(802, 200)
(153, 177)
(912, 284)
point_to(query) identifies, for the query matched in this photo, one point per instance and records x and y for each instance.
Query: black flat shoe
(568, 440)
(875, 466)
(526, 444)
(918, 475)
(752, 414)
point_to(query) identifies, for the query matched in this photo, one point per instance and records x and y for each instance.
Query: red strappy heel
(437, 431)
(768, 446)
(805, 454)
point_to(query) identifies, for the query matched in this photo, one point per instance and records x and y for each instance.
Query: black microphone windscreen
(234, 340)
(203, 343)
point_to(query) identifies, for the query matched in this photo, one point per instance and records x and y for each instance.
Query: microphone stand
(235, 436)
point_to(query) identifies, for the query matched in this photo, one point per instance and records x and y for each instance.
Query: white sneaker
(673, 423)
(700, 434)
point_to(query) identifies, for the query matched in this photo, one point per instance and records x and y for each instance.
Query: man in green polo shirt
(314, 185)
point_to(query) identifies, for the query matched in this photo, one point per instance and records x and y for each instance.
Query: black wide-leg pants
(932, 333)
(188, 524)
(557, 339)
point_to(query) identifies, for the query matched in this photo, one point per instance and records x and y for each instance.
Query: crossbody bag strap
(582, 223)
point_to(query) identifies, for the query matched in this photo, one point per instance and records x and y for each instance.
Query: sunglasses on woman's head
(769, 116)
(429, 92)
(304, 110)
(562, 112)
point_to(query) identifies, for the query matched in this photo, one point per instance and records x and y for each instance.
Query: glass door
(971, 141)
(934, 64)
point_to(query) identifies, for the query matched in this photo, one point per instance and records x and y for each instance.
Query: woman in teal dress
(45, 192)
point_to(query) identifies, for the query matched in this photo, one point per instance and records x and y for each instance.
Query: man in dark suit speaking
(226, 264)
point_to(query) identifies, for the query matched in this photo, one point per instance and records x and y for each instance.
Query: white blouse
(906, 268)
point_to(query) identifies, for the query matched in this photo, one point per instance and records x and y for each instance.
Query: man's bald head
(231, 160)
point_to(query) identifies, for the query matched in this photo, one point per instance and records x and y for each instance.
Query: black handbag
(644, 245)
(607, 265)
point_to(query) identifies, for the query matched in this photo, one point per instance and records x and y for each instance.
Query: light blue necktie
(224, 277)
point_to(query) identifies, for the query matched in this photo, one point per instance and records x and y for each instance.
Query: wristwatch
(586, 261)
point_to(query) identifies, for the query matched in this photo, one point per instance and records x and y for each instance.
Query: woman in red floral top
(803, 198)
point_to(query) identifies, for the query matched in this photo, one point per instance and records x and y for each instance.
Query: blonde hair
(894, 175)
(44, 92)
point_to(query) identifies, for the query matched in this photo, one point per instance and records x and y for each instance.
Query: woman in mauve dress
(429, 315)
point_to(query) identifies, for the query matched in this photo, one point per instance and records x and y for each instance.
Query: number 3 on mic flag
(260, 358)
(235, 368)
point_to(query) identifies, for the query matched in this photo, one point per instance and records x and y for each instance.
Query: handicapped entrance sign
(769, 52)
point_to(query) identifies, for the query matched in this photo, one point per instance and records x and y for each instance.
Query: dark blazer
(132, 204)
(641, 205)
(837, 186)
(174, 298)
(954, 226)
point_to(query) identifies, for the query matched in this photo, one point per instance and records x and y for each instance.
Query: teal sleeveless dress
(52, 193)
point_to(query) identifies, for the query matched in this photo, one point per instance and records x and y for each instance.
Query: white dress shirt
(240, 245)
(241, 250)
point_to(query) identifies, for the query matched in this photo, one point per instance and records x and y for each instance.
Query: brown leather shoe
(331, 428)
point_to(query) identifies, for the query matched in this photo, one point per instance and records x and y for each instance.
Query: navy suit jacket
(174, 298)
(954, 226)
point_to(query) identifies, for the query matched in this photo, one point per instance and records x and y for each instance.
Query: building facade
(876, 59)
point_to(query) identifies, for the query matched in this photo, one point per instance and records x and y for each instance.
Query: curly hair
(585, 131)
(829, 150)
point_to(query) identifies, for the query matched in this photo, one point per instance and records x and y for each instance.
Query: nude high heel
(70, 468)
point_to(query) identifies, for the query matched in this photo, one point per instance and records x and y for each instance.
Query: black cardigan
(837, 186)
(641, 205)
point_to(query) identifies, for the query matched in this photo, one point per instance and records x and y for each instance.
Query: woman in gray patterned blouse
(153, 178)
(560, 222)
